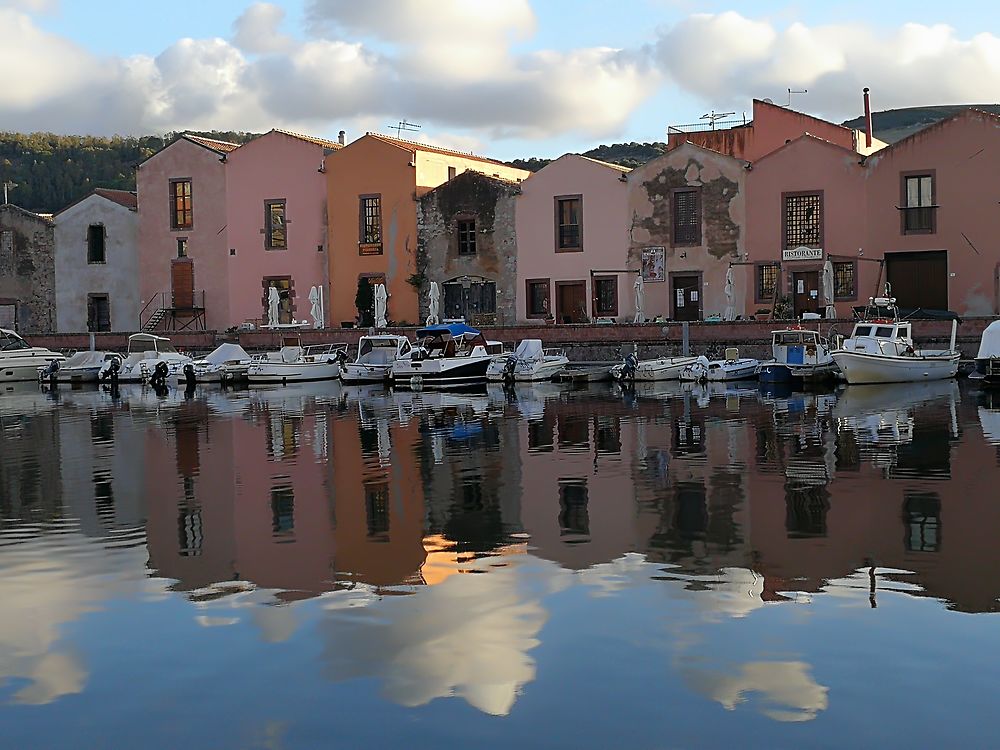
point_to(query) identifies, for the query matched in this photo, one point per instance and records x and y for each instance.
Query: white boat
(145, 352)
(663, 368)
(529, 363)
(733, 367)
(447, 356)
(82, 367)
(987, 370)
(295, 363)
(19, 360)
(224, 364)
(881, 350)
(797, 353)
(375, 357)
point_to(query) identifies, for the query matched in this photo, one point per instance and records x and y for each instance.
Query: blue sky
(538, 77)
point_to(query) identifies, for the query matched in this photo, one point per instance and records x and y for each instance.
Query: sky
(505, 78)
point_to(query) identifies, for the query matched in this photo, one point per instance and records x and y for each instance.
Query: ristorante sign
(802, 253)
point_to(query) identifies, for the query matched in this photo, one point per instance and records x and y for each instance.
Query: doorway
(571, 301)
(286, 309)
(98, 313)
(473, 301)
(918, 279)
(685, 296)
(805, 292)
(182, 283)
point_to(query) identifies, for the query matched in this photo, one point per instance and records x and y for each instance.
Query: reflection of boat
(529, 363)
(886, 411)
(987, 371)
(663, 368)
(19, 360)
(145, 351)
(375, 357)
(663, 390)
(296, 363)
(880, 350)
(595, 374)
(989, 419)
(797, 353)
(448, 356)
(84, 367)
(733, 367)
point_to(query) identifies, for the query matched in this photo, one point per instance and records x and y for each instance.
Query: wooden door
(805, 292)
(98, 313)
(471, 302)
(918, 280)
(182, 283)
(571, 302)
(685, 296)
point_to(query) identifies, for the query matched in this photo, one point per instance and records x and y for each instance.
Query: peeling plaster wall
(723, 218)
(491, 203)
(27, 269)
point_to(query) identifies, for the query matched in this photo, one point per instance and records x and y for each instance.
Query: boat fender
(159, 378)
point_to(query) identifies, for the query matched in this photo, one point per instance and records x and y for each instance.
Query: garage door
(919, 279)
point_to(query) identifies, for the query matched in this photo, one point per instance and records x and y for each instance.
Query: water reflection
(426, 541)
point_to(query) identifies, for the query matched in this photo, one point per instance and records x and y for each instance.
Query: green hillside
(893, 125)
(625, 154)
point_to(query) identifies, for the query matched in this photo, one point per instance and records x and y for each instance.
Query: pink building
(571, 226)
(220, 223)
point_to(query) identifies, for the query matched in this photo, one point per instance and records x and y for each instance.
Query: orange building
(372, 188)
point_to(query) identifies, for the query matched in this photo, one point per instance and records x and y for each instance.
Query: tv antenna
(714, 116)
(8, 185)
(795, 91)
(404, 126)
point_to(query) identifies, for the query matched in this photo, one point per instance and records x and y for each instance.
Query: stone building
(466, 243)
(97, 263)
(27, 271)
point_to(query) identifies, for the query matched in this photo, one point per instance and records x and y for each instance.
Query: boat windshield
(862, 330)
(12, 342)
(884, 332)
(368, 344)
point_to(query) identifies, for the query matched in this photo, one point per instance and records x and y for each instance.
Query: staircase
(154, 320)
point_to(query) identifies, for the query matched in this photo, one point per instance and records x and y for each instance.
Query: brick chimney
(342, 135)
(868, 120)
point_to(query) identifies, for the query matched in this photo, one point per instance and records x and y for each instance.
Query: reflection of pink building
(219, 223)
(571, 242)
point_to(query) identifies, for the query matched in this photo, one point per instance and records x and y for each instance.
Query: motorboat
(226, 363)
(82, 367)
(20, 361)
(376, 353)
(530, 363)
(881, 350)
(631, 368)
(733, 367)
(987, 370)
(145, 352)
(296, 363)
(798, 353)
(452, 355)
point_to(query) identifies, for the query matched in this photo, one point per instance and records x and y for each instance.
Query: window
(467, 237)
(377, 511)
(803, 220)
(538, 298)
(275, 237)
(918, 204)
(370, 229)
(569, 224)
(181, 216)
(687, 216)
(98, 313)
(190, 535)
(606, 297)
(95, 243)
(843, 280)
(767, 281)
(182, 247)
(574, 520)
(282, 511)
(452, 172)
(922, 519)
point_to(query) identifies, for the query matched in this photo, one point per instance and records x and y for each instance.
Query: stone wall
(27, 269)
(490, 202)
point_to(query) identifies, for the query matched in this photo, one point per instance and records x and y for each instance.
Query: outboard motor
(49, 373)
(159, 378)
(189, 379)
(508, 370)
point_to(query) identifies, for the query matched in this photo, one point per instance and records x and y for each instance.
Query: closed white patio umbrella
(434, 305)
(639, 298)
(381, 298)
(828, 290)
(730, 313)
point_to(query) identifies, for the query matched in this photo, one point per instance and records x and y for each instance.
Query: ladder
(154, 319)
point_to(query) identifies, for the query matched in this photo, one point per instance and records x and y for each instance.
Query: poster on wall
(653, 264)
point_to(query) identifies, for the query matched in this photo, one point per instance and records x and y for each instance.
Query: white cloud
(256, 30)
(31, 6)
(788, 690)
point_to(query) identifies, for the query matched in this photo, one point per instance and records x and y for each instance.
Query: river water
(318, 566)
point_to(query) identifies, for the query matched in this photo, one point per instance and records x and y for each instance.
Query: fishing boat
(295, 363)
(19, 360)
(798, 353)
(453, 355)
(987, 369)
(529, 363)
(225, 363)
(375, 357)
(631, 368)
(881, 350)
(733, 367)
(82, 367)
(145, 352)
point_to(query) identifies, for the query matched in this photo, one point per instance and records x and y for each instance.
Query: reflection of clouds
(789, 691)
(468, 636)
(46, 583)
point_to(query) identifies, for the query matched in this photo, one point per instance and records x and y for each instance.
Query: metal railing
(701, 127)
(161, 307)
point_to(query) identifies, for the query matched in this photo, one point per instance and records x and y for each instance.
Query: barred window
(467, 237)
(687, 217)
(843, 280)
(370, 225)
(274, 225)
(538, 298)
(606, 297)
(803, 220)
(918, 203)
(767, 281)
(569, 220)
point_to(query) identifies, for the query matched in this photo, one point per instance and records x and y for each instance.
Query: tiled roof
(121, 197)
(416, 146)
(309, 139)
(223, 147)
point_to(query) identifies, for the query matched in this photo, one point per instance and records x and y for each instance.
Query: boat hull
(774, 372)
(26, 368)
(446, 372)
(654, 370)
(292, 372)
(527, 372)
(355, 373)
(864, 367)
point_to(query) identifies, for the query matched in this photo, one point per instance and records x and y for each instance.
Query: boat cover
(529, 349)
(989, 345)
(455, 329)
(84, 360)
(227, 353)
